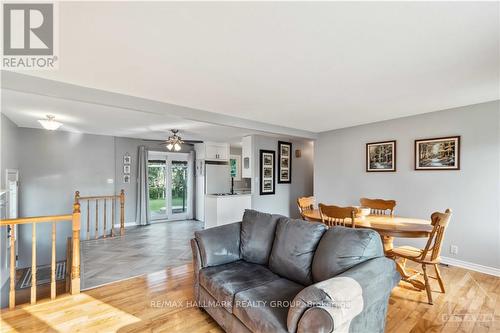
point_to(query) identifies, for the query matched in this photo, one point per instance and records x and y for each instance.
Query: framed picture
(438, 153)
(235, 166)
(381, 156)
(127, 159)
(126, 179)
(285, 160)
(267, 162)
(126, 169)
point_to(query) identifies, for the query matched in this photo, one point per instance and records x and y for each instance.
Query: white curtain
(142, 209)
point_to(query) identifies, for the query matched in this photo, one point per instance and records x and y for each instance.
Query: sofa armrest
(330, 305)
(219, 245)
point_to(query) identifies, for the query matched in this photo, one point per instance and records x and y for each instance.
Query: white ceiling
(310, 66)
(25, 109)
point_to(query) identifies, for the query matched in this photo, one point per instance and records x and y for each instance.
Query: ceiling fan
(174, 141)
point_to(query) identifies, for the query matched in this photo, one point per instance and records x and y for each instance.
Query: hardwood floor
(145, 249)
(160, 302)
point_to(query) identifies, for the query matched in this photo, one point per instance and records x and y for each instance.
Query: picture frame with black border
(267, 162)
(443, 153)
(285, 162)
(381, 156)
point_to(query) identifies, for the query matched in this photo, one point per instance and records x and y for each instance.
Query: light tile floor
(144, 249)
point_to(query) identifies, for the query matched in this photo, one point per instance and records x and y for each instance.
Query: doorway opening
(170, 186)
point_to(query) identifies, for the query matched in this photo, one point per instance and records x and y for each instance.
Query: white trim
(127, 224)
(471, 266)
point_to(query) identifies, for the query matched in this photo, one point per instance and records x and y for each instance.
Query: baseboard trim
(471, 266)
(128, 224)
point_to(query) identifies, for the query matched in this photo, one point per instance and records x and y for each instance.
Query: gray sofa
(270, 273)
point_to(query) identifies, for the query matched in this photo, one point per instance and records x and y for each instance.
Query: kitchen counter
(227, 195)
(225, 209)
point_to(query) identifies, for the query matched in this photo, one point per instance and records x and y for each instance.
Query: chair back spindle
(379, 206)
(337, 216)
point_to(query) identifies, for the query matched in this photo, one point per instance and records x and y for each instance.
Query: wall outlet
(454, 249)
(110, 180)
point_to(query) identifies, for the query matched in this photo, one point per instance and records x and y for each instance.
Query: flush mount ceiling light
(50, 123)
(174, 141)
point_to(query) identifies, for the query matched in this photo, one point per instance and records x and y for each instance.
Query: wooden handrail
(99, 197)
(36, 219)
(75, 255)
(114, 199)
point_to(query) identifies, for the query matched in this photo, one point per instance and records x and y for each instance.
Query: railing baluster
(122, 212)
(68, 263)
(113, 204)
(88, 219)
(33, 264)
(105, 212)
(12, 291)
(53, 264)
(96, 218)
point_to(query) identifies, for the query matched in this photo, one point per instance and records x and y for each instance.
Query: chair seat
(413, 253)
(406, 252)
(225, 281)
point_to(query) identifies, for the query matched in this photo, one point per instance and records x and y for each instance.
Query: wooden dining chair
(305, 204)
(335, 216)
(379, 206)
(430, 255)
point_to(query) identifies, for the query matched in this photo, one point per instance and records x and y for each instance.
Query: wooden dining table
(389, 227)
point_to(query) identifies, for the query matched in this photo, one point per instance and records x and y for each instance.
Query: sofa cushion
(257, 236)
(265, 308)
(219, 245)
(224, 281)
(342, 248)
(293, 249)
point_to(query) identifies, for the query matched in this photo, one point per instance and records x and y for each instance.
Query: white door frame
(169, 157)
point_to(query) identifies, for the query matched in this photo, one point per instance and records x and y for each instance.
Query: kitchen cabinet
(224, 209)
(212, 151)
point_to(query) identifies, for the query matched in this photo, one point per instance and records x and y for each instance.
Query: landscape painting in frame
(381, 156)
(267, 171)
(438, 153)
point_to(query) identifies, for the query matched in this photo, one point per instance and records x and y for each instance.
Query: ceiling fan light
(177, 146)
(50, 123)
(170, 146)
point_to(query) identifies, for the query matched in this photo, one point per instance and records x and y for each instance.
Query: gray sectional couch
(270, 273)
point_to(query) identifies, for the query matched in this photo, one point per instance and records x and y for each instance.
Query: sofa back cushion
(293, 249)
(257, 236)
(342, 248)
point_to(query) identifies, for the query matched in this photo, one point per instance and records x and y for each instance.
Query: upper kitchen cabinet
(246, 157)
(212, 151)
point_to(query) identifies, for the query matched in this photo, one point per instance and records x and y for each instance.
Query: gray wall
(285, 197)
(53, 165)
(472, 193)
(8, 160)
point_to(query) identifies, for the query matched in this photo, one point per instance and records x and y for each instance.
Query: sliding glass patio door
(169, 186)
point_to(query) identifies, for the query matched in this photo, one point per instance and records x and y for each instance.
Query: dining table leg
(406, 276)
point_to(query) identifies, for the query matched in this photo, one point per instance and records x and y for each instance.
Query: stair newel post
(75, 262)
(122, 212)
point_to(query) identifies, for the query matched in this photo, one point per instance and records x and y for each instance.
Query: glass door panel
(179, 174)
(157, 175)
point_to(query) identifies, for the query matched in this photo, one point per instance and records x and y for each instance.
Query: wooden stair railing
(75, 252)
(103, 198)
